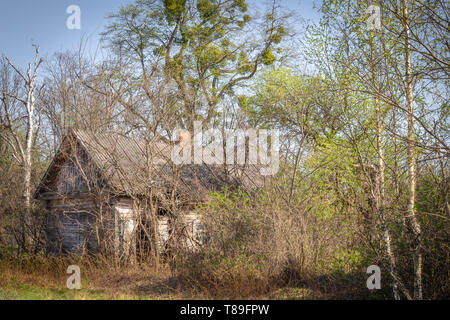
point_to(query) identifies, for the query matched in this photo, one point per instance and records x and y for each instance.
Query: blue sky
(43, 22)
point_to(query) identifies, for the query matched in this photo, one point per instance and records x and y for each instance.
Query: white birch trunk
(416, 241)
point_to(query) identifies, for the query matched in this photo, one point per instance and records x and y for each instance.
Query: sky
(43, 22)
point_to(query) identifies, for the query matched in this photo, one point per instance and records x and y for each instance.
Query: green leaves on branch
(174, 9)
(205, 46)
(268, 58)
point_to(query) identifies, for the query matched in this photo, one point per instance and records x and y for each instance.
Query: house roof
(132, 166)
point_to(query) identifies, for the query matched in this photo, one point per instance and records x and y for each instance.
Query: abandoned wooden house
(124, 195)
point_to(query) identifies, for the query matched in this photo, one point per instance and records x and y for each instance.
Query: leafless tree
(20, 115)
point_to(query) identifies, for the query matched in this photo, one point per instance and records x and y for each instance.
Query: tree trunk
(24, 152)
(381, 200)
(416, 241)
(380, 181)
(26, 189)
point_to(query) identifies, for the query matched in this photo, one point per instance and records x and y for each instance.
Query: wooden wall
(76, 225)
(72, 226)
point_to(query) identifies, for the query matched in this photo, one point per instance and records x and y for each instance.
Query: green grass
(13, 289)
(19, 290)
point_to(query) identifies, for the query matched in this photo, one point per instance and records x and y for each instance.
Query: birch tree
(403, 80)
(19, 114)
(417, 243)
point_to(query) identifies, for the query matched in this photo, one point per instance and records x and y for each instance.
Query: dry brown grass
(39, 277)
